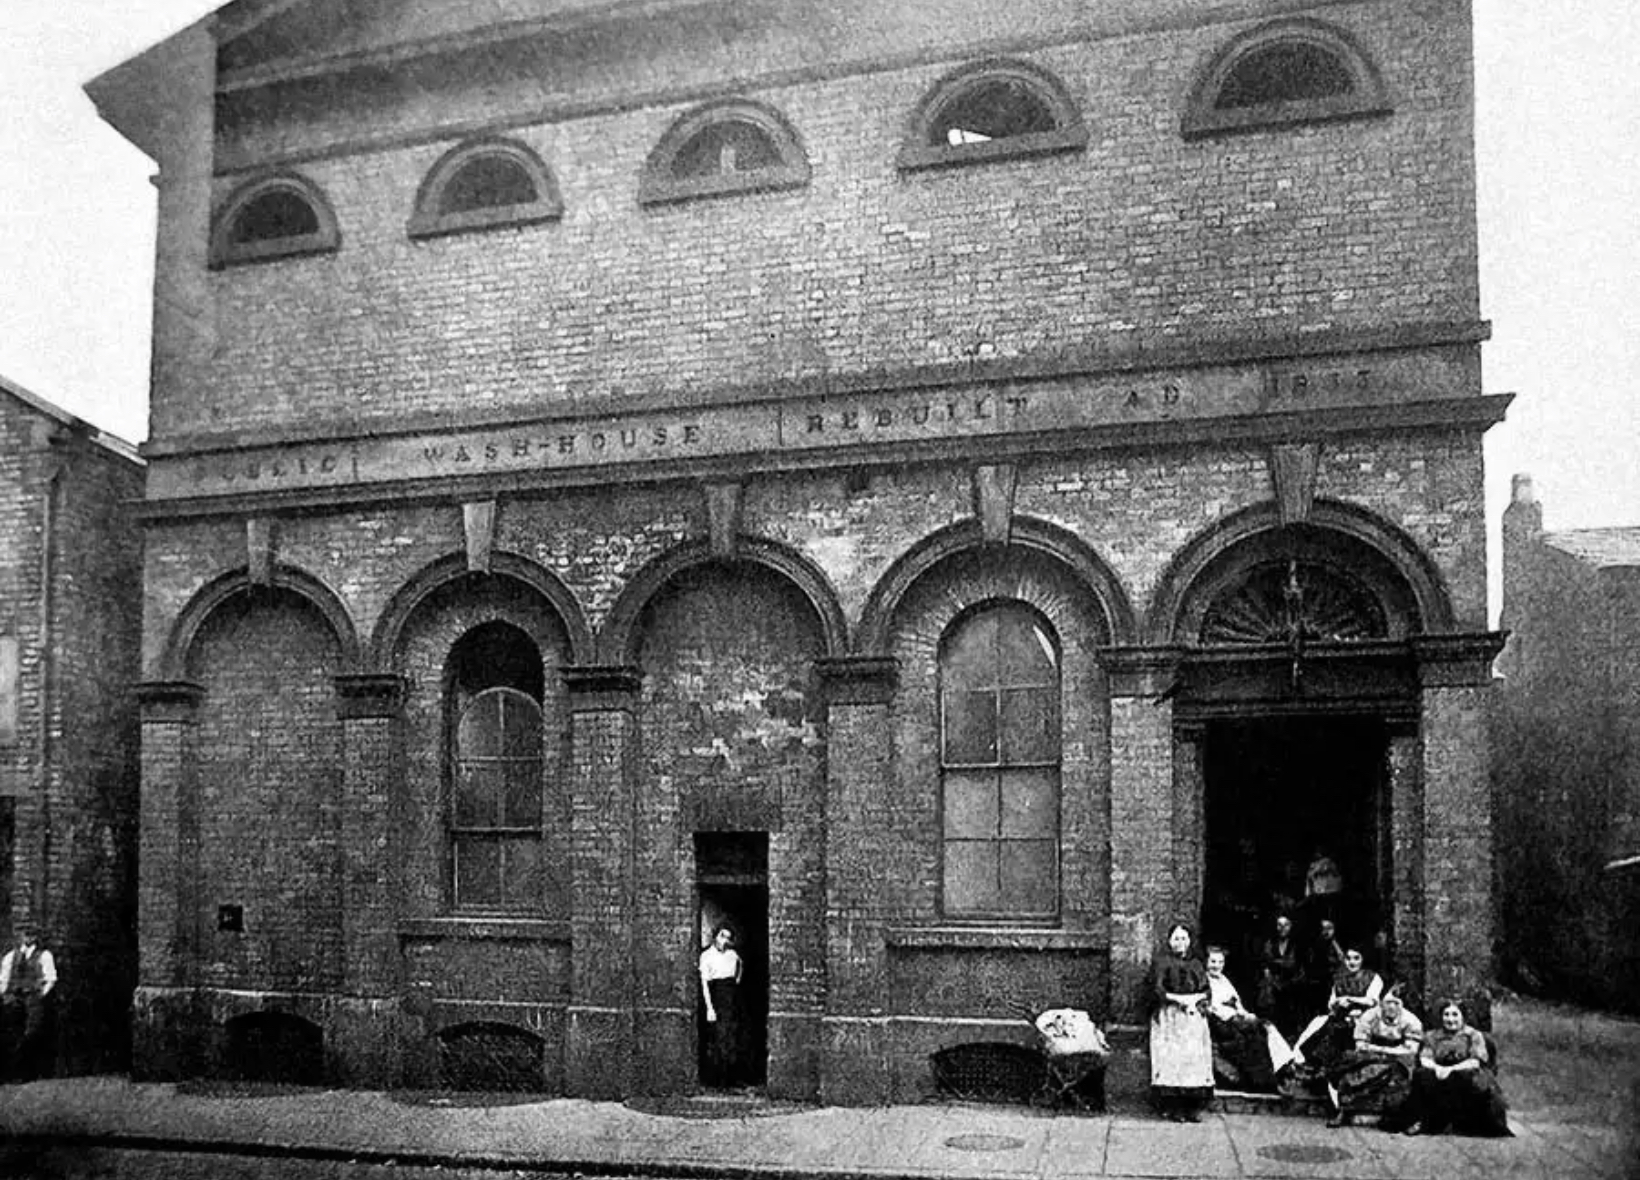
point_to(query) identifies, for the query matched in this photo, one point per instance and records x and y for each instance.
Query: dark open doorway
(1281, 791)
(732, 883)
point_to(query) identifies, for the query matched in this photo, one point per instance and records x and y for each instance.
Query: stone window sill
(482, 928)
(996, 938)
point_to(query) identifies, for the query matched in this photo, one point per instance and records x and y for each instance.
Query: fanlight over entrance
(1293, 601)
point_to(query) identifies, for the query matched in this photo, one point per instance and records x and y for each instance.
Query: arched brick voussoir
(1183, 582)
(618, 639)
(1038, 538)
(385, 639)
(230, 585)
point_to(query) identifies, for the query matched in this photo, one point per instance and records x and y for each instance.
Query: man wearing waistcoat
(28, 975)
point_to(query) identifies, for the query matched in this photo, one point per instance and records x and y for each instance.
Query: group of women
(1368, 1049)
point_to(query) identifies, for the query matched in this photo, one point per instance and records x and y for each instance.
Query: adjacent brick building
(70, 621)
(946, 489)
(1568, 755)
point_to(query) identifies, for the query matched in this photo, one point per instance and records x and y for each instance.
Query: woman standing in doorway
(1181, 1048)
(721, 972)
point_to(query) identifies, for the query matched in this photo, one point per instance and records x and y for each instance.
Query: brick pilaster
(600, 1048)
(167, 890)
(368, 706)
(1458, 921)
(859, 774)
(1142, 818)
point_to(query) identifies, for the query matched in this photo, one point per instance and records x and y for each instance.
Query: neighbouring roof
(108, 442)
(1599, 547)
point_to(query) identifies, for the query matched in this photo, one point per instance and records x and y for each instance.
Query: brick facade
(70, 560)
(736, 467)
(1567, 740)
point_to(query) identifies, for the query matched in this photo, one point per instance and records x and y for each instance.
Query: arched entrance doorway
(1295, 683)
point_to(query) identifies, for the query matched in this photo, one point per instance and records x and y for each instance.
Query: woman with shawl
(1181, 1049)
(1376, 1075)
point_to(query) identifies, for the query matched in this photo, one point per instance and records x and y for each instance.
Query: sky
(1558, 142)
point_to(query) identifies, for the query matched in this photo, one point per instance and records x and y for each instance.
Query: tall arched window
(496, 765)
(999, 673)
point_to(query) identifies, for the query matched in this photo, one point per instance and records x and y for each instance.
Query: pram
(1074, 1056)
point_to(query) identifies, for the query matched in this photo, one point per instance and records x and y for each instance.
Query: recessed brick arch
(384, 641)
(1389, 563)
(1114, 610)
(618, 640)
(174, 659)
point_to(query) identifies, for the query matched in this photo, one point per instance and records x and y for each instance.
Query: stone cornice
(1141, 671)
(602, 688)
(174, 702)
(859, 680)
(1457, 661)
(369, 695)
(1132, 357)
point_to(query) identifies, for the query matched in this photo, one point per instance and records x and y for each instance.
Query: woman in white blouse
(721, 972)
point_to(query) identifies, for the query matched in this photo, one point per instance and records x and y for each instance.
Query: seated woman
(1376, 1075)
(1355, 990)
(1454, 1085)
(1251, 1048)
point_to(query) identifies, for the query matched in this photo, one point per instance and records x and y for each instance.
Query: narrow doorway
(732, 887)
(1284, 796)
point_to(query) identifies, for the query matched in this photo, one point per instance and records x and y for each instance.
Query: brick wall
(69, 779)
(1566, 743)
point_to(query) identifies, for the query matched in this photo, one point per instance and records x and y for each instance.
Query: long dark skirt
(721, 1063)
(1371, 1082)
(1181, 1062)
(1242, 1046)
(1470, 1103)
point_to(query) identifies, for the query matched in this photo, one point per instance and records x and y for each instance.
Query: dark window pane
(274, 216)
(725, 148)
(521, 881)
(477, 872)
(478, 794)
(971, 805)
(1030, 725)
(479, 734)
(523, 794)
(971, 728)
(969, 656)
(1030, 803)
(521, 727)
(971, 877)
(488, 182)
(997, 108)
(1025, 651)
(1030, 876)
(1284, 73)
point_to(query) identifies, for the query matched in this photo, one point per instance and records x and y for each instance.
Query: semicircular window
(990, 111)
(276, 217)
(1278, 602)
(721, 149)
(485, 185)
(1283, 74)
(1291, 72)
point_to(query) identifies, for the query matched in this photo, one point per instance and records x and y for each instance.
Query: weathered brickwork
(68, 738)
(1567, 755)
(1245, 353)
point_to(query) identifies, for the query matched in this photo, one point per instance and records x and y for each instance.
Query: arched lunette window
(734, 146)
(496, 769)
(486, 184)
(999, 687)
(992, 110)
(270, 218)
(1283, 74)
